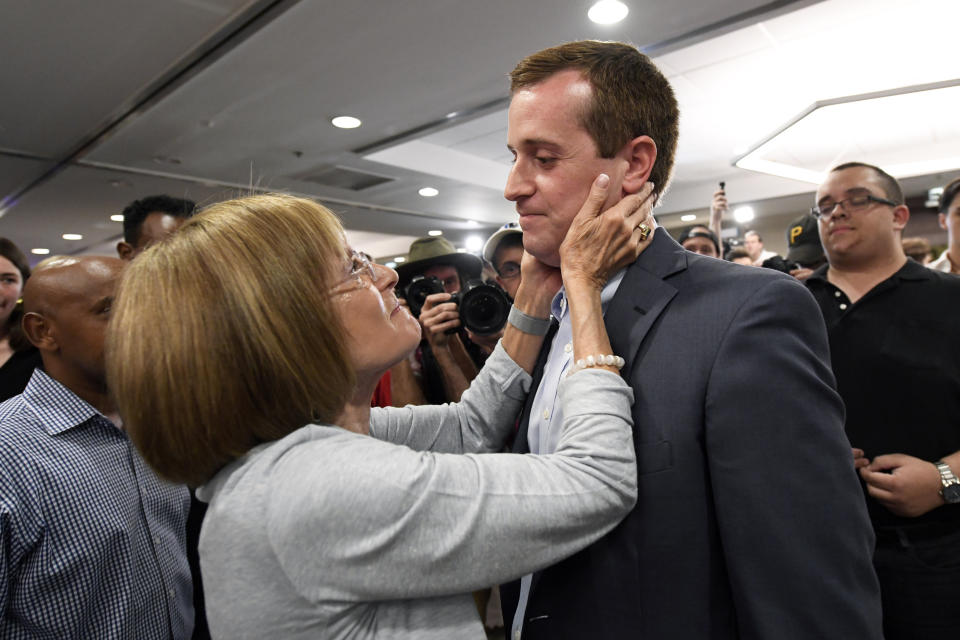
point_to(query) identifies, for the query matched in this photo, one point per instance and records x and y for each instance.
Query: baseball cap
(494, 241)
(803, 240)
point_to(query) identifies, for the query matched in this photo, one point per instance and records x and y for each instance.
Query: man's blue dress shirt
(92, 542)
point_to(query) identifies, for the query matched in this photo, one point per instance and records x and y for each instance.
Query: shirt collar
(58, 408)
(911, 270)
(559, 305)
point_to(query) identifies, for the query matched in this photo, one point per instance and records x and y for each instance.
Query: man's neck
(93, 392)
(856, 280)
(953, 256)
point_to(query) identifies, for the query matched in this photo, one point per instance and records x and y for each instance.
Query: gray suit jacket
(750, 521)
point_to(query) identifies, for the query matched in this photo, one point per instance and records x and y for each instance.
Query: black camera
(483, 307)
(777, 263)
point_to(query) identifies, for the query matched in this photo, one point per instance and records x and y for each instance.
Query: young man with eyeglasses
(895, 351)
(504, 250)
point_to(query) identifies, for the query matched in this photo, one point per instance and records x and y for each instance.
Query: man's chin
(550, 257)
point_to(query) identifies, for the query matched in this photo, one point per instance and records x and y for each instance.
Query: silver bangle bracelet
(528, 324)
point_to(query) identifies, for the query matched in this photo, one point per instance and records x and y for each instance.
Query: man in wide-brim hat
(435, 256)
(443, 366)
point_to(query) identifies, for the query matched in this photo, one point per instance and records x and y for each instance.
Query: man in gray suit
(749, 522)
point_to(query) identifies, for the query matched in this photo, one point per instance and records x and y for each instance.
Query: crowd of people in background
(723, 442)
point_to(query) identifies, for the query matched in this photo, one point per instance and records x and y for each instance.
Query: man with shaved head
(91, 540)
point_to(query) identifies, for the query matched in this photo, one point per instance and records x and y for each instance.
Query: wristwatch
(951, 486)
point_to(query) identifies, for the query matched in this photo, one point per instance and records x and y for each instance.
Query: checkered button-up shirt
(92, 542)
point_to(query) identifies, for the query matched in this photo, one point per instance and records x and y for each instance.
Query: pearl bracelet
(596, 361)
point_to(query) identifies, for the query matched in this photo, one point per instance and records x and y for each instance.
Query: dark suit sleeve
(793, 524)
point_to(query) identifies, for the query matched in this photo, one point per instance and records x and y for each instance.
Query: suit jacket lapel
(640, 299)
(642, 296)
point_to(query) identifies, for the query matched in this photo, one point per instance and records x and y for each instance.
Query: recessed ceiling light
(435, 232)
(608, 12)
(474, 243)
(346, 122)
(392, 265)
(117, 217)
(688, 218)
(743, 214)
(72, 236)
(40, 251)
(399, 259)
(428, 192)
(461, 250)
(473, 223)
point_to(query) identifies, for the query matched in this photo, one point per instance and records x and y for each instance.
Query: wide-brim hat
(490, 248)
(426, 252)
(803, 240)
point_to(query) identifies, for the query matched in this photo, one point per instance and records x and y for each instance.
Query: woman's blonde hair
(223, 336)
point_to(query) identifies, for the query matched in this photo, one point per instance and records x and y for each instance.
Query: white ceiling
(107, 101)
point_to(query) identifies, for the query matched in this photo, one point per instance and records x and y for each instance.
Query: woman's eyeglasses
(362, 271)
(852, 204)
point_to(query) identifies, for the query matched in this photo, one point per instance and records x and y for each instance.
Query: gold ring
(644, 232)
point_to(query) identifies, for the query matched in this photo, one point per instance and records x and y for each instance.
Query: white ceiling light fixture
(608, 12)
(933, 197)
(400, 259)
(428, 192)
(72, 236)
(392, 265)
(688, 218)
(474, 243)
(435, 232)
(743, 214)
(882, 128)
(40, 251)
(461, 250)
(117, 217)
(345, 122)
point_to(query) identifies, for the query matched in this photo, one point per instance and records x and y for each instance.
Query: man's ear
(901, 214)
(640, 154)
(942, 218)
(40, 332)
(125, 250)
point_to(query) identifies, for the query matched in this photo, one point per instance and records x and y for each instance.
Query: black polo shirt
(896, 357)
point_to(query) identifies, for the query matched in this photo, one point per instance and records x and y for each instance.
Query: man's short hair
(891, 187)
(949, 194)
(917, 248)
(752, 232)
(700, 231)
(631, 97)
(137, 211)
(737, 252)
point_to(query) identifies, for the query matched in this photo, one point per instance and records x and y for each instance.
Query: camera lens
(418, 290)
(484, 308)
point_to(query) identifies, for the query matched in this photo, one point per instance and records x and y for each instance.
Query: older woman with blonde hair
(243, 353)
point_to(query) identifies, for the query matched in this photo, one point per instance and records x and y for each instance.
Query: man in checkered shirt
(91, 540)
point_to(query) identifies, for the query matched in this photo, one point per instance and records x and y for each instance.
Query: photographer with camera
(442, 288)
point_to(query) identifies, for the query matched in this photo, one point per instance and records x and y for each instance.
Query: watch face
(952, 493)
